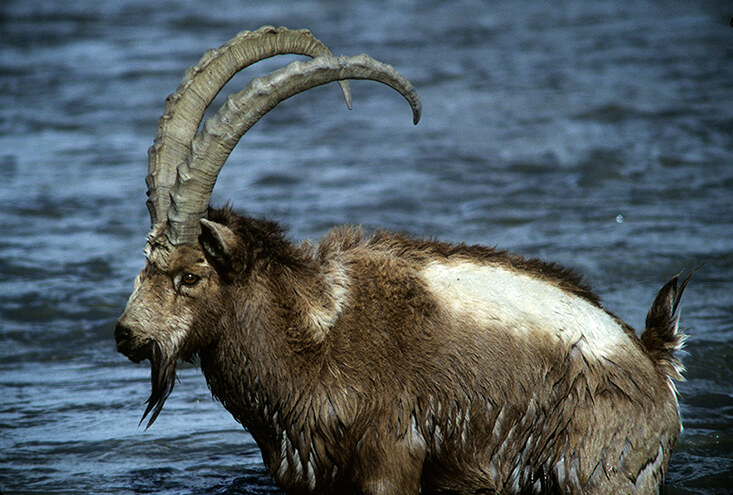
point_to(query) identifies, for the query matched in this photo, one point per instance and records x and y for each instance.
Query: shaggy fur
(383, 364)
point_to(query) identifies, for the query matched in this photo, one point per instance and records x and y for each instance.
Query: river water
(594, 134)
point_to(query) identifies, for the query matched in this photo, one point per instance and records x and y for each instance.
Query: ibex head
(189, 255)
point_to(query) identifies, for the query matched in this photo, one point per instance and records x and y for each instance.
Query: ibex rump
(384, 364)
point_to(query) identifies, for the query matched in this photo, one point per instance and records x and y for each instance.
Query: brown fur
(353, 376)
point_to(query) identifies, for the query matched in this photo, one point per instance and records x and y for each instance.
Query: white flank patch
(494, 296)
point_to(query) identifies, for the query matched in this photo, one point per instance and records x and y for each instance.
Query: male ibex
(384, 364)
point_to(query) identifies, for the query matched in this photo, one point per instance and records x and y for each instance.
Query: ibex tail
(662, 336)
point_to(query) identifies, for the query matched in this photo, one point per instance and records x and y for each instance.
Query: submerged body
(384, 364)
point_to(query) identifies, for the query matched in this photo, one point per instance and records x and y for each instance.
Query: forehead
(169, 258)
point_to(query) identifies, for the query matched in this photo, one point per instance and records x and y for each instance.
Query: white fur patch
(497, 297)
(324, 316)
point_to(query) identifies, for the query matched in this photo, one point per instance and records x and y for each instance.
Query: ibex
(382, 363)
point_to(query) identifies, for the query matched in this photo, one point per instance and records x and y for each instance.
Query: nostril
(122, 333)
(131, 344)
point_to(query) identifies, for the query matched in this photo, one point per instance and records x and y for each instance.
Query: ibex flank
(381, 363)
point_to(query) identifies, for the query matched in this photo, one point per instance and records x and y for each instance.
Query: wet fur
(355, 376)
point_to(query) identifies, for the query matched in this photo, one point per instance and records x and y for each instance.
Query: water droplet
(619, 218)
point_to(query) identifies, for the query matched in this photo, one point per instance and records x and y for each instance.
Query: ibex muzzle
(385, 364)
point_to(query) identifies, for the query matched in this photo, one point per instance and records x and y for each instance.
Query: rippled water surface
(594, 134)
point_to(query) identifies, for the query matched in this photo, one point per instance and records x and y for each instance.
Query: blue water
(595, 134)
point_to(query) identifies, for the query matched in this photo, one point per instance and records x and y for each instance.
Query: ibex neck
(277, 340)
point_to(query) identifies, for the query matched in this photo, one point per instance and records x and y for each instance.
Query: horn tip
(416, 112)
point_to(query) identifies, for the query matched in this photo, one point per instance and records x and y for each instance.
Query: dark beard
(162, 379)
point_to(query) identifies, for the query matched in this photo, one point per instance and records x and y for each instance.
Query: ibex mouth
(162, 368)
(131, 347)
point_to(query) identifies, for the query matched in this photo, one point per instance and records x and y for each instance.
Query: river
(598, 135)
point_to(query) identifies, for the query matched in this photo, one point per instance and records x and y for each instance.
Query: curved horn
(185, 108)
(210, 149)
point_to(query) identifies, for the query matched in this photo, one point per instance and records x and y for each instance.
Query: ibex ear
(218, 242)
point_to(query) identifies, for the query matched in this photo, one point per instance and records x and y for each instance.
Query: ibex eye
(189, 279)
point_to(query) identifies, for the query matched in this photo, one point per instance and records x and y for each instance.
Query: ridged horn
(211, 148)
(185, 108)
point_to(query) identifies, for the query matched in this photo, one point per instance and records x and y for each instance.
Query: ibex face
(161, 308)
(166, 316)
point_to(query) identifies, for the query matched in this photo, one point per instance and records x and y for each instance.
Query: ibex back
(384, 364)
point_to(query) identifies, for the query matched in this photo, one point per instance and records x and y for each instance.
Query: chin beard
(162, 379)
